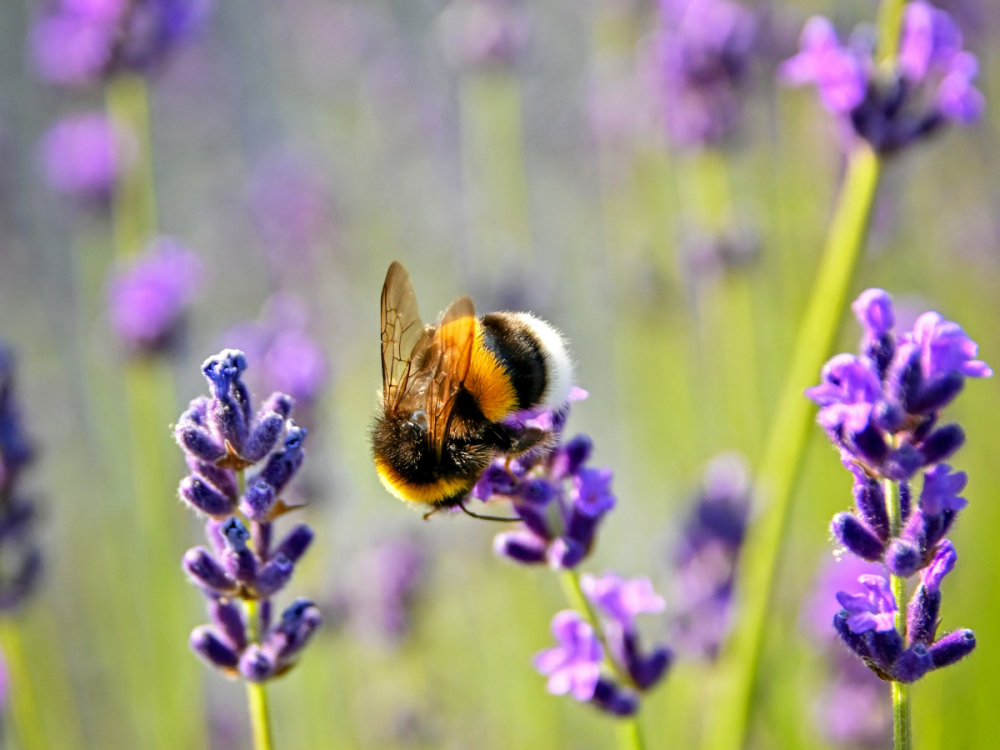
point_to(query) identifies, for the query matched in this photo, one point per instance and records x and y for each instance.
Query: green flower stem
(27, 720)
(901, 733)
(786, 444)
(890, 21)
(134, 210)
(260, 715)
(629, 732)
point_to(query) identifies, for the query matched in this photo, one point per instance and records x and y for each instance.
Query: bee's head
(408, 465)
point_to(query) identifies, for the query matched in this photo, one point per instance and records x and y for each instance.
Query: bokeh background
(298, 147)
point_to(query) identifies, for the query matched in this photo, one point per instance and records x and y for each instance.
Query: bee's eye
(419, 418)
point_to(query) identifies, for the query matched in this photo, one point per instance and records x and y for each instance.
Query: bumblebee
(448, 389)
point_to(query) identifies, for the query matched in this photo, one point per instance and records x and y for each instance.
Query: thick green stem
(890, 21)
(901, 733)
(629, 732)
(785, 446)
(24, 711)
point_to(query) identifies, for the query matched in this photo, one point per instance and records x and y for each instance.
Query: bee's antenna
(468, 512)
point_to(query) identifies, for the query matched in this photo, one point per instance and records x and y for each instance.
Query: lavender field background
(298, 147)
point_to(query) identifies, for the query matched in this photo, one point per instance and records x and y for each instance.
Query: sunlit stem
(901, 734)
(629, 732)
(785, 445)
(890, 22)
(27, 720)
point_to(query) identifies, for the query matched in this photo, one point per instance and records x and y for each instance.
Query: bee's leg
(428, 514)
(530, 438)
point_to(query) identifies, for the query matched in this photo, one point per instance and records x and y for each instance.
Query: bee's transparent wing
(404, 336)
(447, 365)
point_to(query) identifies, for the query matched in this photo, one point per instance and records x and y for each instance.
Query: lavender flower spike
(222, 439)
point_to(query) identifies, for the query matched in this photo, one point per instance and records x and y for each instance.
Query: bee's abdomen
(519, 362)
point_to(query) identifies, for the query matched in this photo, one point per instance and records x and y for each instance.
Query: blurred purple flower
(148, 298)
(483, 32)
(22, 557)
(573, 666)
(622, 600)
(84, 155)
(707, 554)
(705, 49)
(291, 360)
(380, 598)
(931, 85)
(79, 42)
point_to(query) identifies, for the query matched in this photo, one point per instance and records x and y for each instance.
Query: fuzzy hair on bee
(448, 390)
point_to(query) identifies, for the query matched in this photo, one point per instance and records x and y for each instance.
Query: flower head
(705, 47)
(930, 85)
(84, 155)
(148, 298)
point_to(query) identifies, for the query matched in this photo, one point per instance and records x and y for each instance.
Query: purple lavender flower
(292, 361)
(484, 32)
(79, 42)
(574, 666)
(84, 155)
(619, 602)
(881, 410)
(378, 602)
(854, 707)
(705, 51)
(221, 438)
(706, 557)
(930, 86)
(148, 299)
(23, 559)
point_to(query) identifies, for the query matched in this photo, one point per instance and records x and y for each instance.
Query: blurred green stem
(260, 716)
(890, 21)
(786, 444)
(23, 707)
(628, 730)
(134, 209)
(901, 733)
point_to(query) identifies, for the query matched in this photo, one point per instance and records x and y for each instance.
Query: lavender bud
(952, 648)
(205, 498)
(520, 546)
(907, 380)
(283, 464)
(197, 441)
(224, 480)
(571, 456)
(295, 543)
(905, 505)
(942, 443)
(239, 560)
(213, 649)
(255, 665)
(258, 501)
(264, 436)
(856, 642)
(298, 623)
(278, 402)
(226, 413)
(537, 492)
(922, 615)
(903, 558)
(938, 394)
(857, 537)
(228, 618)
(886, 647)
(912, 664)
(870, 501)
(206, 571)
(565, 553)
(534, 518)
(613, 699)
(274, 575)
(870, 444)
(889, 416)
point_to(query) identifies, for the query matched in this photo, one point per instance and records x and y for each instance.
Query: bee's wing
(447, 365)
(404, 336)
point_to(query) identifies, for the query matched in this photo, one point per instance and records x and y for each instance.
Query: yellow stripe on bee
(431, 493)
(489, 383)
